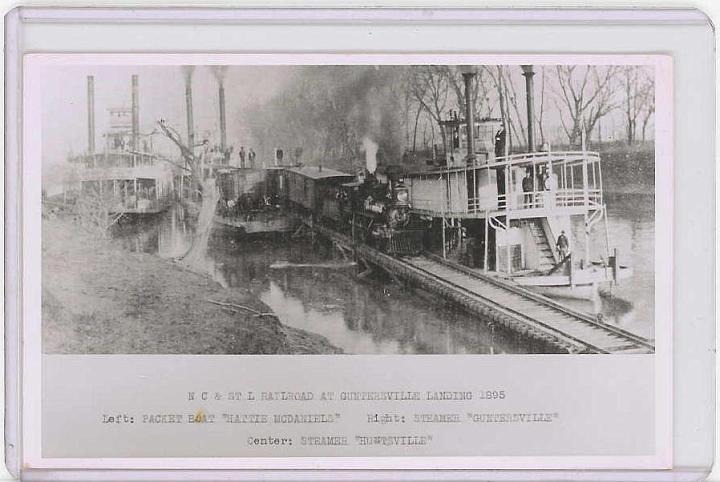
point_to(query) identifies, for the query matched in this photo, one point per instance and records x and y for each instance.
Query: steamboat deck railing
(475, 189)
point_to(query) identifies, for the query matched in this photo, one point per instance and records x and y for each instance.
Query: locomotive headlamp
(402, 196)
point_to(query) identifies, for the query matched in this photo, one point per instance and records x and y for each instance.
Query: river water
(312, 288)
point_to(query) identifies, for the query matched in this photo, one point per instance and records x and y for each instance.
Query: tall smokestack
(469, 111)
(530, 100)
(135, 115)
(91, 113)
(189, 111)
(221, 96)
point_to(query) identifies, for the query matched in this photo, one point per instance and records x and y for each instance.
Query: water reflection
(631, 229)
(369, 316)
(375, 316)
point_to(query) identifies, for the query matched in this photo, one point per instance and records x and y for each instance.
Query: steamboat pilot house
(125, 173)
(529, 217)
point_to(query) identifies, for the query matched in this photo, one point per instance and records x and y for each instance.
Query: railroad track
(503, 301)
(553, 317)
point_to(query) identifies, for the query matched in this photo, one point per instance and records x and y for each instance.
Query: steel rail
(526, 293)
(518, 315)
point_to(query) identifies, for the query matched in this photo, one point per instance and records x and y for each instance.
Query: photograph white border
(663, 275)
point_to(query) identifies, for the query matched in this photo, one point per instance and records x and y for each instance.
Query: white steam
(371, 149)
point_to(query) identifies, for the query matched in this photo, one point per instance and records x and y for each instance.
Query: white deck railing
(471, 189)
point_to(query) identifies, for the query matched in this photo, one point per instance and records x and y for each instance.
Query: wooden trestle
(500, 301)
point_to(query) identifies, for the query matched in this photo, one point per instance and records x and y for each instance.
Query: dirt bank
(99, 298)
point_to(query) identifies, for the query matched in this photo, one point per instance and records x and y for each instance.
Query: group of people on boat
(222, 155)
(546, 181)
(249, 155)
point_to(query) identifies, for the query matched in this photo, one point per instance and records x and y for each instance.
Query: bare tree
(584, 96)
(540, 113)
(510, 111)
(496, 75)
(480, 87)
(430, 88)
(205, 187)
(415, 128)
(516, 115)
(648, 109)
(634, 88)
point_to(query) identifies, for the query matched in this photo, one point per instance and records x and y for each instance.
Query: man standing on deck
(563, 245)
(241, 154)
(500, 139)
(527, 185)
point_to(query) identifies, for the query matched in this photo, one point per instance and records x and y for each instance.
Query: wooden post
(607, 233)
(616, 267)
(460, 236)
(443, 237)
(587, 240)
(485, 255)
(602, 196)
(507, 243)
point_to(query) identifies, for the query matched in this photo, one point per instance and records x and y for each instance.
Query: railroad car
(308, 186)
(372, 212)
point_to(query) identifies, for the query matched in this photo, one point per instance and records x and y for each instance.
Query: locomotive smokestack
(469, 112)
(91, 113)
(135, 114)
(189, 108)
(529, 98)
(221, 97)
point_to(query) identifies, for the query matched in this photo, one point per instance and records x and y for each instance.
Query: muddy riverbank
(99, 298)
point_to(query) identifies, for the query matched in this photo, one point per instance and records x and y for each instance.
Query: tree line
(328, 110)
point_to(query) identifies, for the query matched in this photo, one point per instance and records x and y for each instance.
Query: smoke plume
(371, 149)
(328, 111)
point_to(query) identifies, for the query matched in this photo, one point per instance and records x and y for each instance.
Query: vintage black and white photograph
(348, 209)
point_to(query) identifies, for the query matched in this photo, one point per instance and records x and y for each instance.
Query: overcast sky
(162, 95)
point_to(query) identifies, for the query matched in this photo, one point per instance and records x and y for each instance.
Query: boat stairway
(546, 258)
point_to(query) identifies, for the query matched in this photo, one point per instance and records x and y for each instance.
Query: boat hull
(260, 224)
(583, 284)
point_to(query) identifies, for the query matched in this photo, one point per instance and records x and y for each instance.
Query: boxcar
(308, 186)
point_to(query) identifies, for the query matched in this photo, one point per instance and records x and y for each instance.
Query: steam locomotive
(372, 212)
